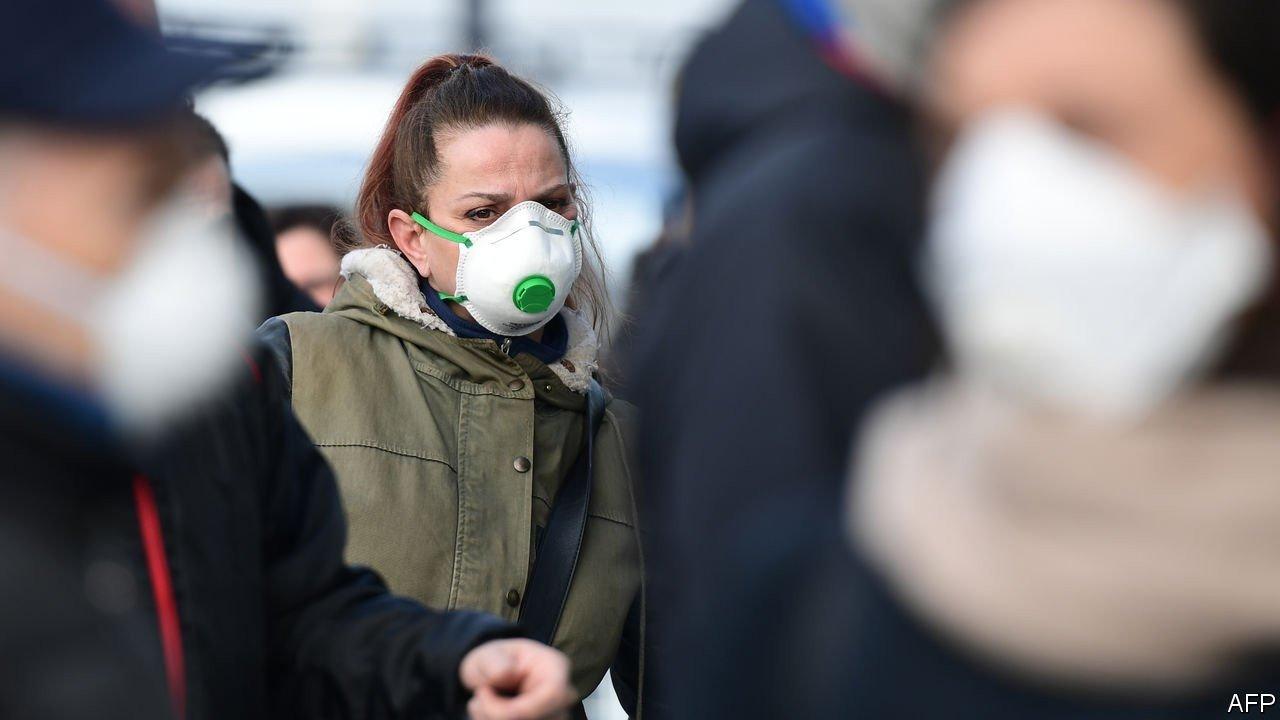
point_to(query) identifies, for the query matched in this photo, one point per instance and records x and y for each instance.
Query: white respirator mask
(515, 274)
(170, 327)
(1062, 273)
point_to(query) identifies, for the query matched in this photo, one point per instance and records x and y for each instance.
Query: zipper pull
(506, 346)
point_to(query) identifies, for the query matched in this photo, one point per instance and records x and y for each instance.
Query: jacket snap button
(522, 464)
(513, 597)
(515, 385)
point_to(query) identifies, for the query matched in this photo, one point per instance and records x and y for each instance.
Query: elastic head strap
(449, 235)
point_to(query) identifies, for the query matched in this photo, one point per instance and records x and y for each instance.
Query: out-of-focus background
(302, 133)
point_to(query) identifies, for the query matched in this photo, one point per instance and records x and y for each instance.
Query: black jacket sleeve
(274, 336)
(340, 645)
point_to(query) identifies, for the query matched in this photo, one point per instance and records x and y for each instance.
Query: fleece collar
(395, 283)
(1134, 558)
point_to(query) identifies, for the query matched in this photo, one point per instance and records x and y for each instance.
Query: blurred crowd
(951, 388)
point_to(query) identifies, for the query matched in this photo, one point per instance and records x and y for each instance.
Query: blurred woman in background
(304, 246)
(450, 381)
(1081, 518)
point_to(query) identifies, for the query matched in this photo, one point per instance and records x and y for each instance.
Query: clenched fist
(517, 680)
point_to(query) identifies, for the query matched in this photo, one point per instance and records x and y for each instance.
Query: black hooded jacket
(794, 308)
(796, 303)
(272, 623)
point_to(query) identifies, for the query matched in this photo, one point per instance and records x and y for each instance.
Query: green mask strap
(452, 298)
(449, 235)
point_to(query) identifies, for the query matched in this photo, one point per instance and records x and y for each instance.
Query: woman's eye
(555, 204)
(481, 214)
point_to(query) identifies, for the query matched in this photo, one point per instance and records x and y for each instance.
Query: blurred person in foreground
(164, 519)
(305, 247)
(451, 382)
(794, 307)
(1081, 517)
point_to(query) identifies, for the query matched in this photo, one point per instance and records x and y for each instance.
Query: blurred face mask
(515, 274)
(169, 328)
(1065, 275)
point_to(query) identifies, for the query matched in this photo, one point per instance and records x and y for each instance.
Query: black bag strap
(552, 573)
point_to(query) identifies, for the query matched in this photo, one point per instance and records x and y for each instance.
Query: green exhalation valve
(534, 294)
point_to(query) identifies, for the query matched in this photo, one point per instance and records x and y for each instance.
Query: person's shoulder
(820, 190)
(304, 327)
(274, 332)
(304, 318)
(278, 336)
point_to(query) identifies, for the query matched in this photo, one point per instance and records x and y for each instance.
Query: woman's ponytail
(379, 191)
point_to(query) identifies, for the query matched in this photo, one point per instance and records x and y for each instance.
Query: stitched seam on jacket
(596, 515)
(386, 448)
(455, 582)
(470, 388)
(606, 518)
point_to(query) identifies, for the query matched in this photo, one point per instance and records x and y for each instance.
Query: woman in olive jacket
(448, 380)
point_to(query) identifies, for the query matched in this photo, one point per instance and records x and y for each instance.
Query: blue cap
(83, 63)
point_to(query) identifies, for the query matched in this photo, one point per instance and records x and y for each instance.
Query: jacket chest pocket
(402, 516)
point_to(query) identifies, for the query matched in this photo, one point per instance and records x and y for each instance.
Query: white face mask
(515, 274)
(1063, 274)
(170, 327)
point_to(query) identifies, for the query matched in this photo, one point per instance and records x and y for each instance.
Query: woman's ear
(407, 235)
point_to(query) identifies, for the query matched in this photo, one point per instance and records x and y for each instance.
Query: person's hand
(517, 680)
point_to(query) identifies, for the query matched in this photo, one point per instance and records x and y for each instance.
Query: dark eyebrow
(491, 197)
(500, 197)
(552, 190)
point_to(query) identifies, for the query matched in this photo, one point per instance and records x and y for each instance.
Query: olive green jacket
(449, 454)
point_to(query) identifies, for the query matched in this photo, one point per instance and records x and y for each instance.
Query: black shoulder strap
(557, 559)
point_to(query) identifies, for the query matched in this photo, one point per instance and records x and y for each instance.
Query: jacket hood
(755, 69)
(1136, 558)
(394, 284)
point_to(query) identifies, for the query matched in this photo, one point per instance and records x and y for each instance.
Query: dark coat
(273, 624)
(793, 309)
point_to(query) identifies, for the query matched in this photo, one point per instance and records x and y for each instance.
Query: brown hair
(457, 92)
